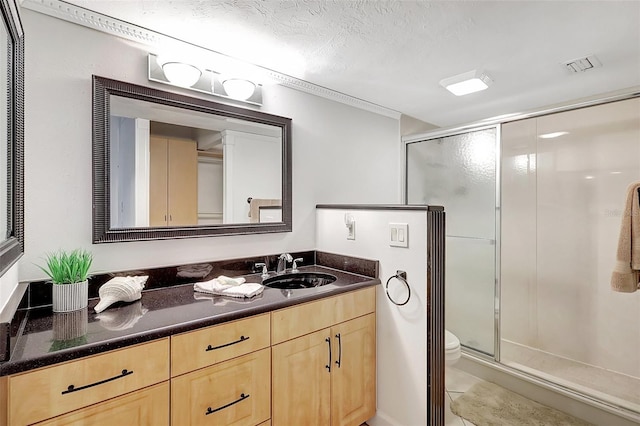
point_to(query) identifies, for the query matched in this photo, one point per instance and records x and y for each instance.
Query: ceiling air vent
(582, 64)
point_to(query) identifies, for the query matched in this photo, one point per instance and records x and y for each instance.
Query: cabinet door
(301, 382)
(147, 407)
(158, 181)
(183, 182)
(353, 375)
(234, 392)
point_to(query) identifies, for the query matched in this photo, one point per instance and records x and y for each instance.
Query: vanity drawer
(146, 407)
(50, 391)
(208, 346)
(236, 392)
(306, 318)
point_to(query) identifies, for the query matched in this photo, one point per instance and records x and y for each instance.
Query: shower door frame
(455, 131)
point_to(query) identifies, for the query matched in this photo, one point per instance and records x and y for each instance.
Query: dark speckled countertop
(48, 338)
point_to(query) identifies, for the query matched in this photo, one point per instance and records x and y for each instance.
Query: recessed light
(465, 83)
(553, 135)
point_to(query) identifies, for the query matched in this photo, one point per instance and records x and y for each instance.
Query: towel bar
(402, 277)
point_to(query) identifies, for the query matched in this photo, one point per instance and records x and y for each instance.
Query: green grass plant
(68, 267)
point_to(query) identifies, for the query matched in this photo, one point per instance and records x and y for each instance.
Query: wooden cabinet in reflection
(173, 182)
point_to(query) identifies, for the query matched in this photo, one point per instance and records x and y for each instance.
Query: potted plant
(69, 272)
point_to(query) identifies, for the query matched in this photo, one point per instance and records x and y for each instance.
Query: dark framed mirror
(166, 165)
(12, 139)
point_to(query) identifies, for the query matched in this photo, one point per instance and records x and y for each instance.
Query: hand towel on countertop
(626, 272)
(239, 289)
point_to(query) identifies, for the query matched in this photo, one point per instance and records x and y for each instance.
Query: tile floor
(456, 383)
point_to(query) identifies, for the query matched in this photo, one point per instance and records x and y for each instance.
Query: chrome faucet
(282, 262)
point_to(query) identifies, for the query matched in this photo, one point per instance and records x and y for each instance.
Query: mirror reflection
(4, 124)
(176, 167)
(166, 165)
(11, 136)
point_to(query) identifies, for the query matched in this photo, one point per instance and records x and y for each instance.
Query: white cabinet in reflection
(252, 171)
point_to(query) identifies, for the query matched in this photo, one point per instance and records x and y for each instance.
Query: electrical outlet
(399, 235)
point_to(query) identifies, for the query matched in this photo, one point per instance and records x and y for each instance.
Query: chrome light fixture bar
(468, 82)
(203, 80)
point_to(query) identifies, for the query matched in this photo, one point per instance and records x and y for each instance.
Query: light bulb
(238, 88)
(181, 74)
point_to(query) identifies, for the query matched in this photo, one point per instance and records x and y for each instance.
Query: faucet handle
(265, 273)
(294, 268)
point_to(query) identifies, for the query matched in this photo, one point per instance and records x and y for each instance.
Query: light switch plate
(399, 235)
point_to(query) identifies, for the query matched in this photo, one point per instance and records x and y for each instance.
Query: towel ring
(402, 277)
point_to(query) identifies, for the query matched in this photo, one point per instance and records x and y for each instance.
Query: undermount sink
(299, 280)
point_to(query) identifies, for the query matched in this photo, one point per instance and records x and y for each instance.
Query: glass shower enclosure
(533, 213)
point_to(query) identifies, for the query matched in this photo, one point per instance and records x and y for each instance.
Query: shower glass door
(564, 187)
(458, 171)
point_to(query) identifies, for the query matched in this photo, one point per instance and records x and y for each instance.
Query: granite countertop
(48, 338)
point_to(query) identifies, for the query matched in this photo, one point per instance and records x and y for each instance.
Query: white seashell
(120, 289)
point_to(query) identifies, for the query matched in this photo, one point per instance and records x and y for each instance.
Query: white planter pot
(70, 297)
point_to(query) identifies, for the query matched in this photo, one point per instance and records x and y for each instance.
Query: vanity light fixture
(176, 72)
(468, 82)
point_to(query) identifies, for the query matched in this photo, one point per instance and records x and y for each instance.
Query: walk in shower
(534, 208)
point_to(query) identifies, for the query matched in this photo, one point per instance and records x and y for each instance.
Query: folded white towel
(216, 287)
(230, 281)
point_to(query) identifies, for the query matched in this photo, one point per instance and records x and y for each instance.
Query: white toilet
(451, 348)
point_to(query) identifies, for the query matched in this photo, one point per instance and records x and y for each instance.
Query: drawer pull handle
(328, 366)
(72, 388)
(242, 398)
(339, 360)
(213, 348)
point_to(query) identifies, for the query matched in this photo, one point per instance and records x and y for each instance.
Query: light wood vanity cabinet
(326, 377)
(41, 394)
(269, 369)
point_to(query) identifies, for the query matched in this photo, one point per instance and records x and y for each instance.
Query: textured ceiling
(394, 53)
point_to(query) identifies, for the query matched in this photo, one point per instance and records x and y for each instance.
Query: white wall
(401, 330)
(340, 154)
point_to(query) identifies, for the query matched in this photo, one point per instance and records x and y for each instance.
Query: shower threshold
(614, 388)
